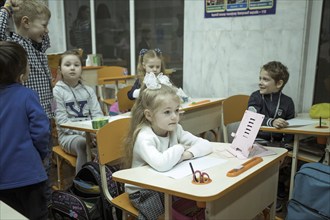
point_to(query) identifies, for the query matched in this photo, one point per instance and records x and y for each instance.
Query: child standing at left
(24, 131)
(31, 18)
(74, 101)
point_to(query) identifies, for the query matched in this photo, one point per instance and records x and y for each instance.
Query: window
(158, 24)
(322, 78)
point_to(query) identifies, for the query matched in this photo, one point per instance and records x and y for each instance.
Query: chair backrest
(233, 109)
(124, 103)
(110, 71)
(110, 140)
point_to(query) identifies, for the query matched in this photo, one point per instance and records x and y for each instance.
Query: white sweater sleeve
(197, 146)
(149, 149)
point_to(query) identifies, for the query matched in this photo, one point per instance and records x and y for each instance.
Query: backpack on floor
(311, 193)
(87, 189)
(66, 205)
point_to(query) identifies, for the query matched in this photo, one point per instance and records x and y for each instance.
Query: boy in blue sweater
(24, 137)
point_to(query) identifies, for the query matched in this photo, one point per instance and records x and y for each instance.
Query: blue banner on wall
(234, 8)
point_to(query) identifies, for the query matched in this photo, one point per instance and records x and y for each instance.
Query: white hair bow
(153, 82)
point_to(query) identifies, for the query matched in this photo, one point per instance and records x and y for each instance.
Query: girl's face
(267, 84)
(71, 69)
(166, 117)
(38, 28)
(153, 65)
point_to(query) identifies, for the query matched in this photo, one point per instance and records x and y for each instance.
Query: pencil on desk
(193, 172)
(200, 102)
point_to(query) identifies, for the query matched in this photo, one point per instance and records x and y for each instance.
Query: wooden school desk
(240, 197)
(299, 132)
(202, 116)
(196, 118)
(7, 212)
(115, 79)
(87, 127)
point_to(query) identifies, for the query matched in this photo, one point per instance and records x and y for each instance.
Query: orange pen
(244, 167)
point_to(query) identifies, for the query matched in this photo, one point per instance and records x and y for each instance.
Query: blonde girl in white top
(156, 139)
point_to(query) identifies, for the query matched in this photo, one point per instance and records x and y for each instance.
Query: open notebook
(243, 146)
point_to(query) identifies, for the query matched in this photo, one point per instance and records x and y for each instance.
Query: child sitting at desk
(74, 101)
(271, 102)
(24, 137)
(277, 108)
(156, 139)
(149, 61)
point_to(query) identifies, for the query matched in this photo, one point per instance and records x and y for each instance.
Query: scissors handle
(202, 177)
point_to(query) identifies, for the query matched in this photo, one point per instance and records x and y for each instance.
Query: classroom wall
(223, 56)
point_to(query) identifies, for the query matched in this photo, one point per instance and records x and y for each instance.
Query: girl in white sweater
(156, 139)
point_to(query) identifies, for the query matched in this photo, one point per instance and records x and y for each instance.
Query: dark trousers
(30, 200)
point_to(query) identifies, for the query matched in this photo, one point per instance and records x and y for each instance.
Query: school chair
(110, 150)
(124, 103)
(233, 109)
(61, 156)
(103, 73)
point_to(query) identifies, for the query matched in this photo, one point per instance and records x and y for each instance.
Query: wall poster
(234, 8)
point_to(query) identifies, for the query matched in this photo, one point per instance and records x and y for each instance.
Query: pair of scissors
(201, 177)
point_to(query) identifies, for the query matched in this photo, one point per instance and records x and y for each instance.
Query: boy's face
(37, 28)
(267, 84)
(153, 65)
(166, 117)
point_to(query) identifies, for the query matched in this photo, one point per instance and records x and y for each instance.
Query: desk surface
(115, 78)
(7, 212)
(87, 125)
(220, 185)
(91, 67)
(307, 129)
(193, 104)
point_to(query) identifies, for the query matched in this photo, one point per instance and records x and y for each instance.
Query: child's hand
(186, 155)
(13, 4)
(186, 147)
(280, 123)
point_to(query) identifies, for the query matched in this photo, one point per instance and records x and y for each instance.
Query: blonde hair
(144, 57)
(149, 99)
(32, 9)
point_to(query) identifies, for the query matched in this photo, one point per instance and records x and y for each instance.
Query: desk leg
(88, 146)
(326, 160)
(168, 206)
(294, 163)
(116, 89)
